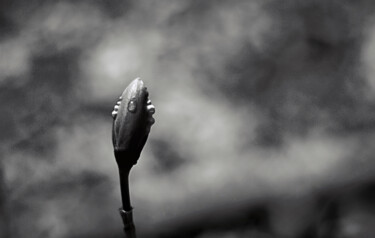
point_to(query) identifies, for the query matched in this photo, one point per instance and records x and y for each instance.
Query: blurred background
(265, 117)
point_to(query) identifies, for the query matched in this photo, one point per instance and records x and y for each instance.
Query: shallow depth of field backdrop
(265, 113)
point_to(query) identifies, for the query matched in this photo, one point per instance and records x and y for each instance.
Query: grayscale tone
(132, 121)
(264, 124)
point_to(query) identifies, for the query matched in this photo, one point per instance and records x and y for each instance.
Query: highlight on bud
(133, 118)
(116, 107)
(151, 109)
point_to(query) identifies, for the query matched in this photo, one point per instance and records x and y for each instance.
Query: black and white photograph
(187, 119)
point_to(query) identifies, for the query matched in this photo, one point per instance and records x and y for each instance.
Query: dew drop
(132, 106)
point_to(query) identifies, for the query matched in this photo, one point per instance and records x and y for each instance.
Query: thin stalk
(127, 211)
(125, 194)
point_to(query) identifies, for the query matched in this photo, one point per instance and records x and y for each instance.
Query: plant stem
(125, 194)
(127, 211)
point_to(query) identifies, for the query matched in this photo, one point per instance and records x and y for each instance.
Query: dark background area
(265, 117)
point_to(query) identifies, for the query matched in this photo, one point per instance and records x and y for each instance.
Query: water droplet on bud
(132, 106)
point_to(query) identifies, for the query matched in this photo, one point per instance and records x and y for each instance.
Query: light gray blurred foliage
(265, 116)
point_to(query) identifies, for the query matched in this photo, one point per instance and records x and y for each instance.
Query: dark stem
(127, 211)
(125, 194)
